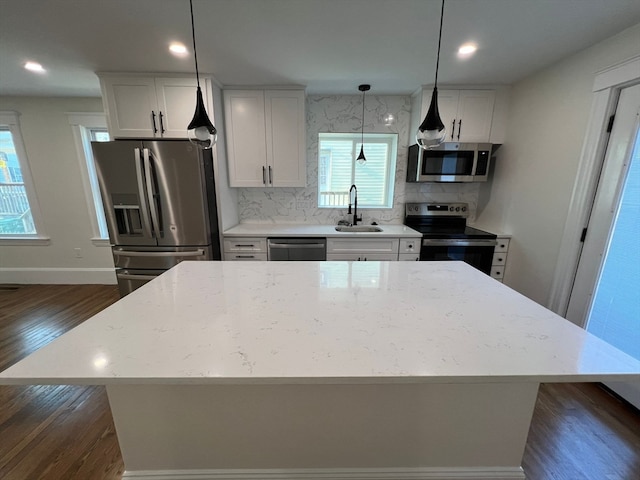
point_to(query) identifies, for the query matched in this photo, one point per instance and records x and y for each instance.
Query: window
(87, 128)
(338, 170)
(19, 214)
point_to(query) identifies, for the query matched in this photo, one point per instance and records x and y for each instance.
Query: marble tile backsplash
(342, 113)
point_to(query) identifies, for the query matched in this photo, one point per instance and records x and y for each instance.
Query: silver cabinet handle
(127, 276)
(242, 245)
(152, 203)
(132, 253)
(146, 222)
(245, 256)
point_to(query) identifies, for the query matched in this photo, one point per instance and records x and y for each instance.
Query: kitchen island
(283, 370)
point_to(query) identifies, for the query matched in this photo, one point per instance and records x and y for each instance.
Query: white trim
(62, 276)
(617, 75)
(25, 240)
(425, 473)
(11, 119)
(101, 242)
(606, 87)
(80, 122)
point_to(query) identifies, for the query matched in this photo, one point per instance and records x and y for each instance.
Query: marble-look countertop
(308, 230)
(323, 322)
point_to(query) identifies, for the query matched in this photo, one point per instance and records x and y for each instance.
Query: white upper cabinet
(265, 132)
(151, 107)
(469, 115)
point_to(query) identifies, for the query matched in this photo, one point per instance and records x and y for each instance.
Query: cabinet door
(177, 103)
(448, 108)
(131, 106)
(363, 257)
(246, 137)
(475, 109)
(363, 246)
(285, 134)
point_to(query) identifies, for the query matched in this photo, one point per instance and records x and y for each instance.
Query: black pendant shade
(201, 131)
(361, 158)
(431, 131)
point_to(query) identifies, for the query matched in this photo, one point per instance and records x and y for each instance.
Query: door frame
(606, 89)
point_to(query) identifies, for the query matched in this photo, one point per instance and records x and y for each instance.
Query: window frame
(11, 121)
(390, 175)
(82, 123)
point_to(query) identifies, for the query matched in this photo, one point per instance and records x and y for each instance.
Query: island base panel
(456, 427)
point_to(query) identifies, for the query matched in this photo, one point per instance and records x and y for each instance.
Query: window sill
(25, 240)
(101, 242)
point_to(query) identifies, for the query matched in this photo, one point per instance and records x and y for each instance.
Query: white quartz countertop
(305, 230)
(323, 322)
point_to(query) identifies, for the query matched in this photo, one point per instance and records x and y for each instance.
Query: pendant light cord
(364, 92)
(439, 41)
(195, 54)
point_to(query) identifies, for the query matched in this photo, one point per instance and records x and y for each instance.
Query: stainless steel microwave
(450, 162)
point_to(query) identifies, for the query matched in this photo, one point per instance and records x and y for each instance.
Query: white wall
(538, 163)
(54, 162)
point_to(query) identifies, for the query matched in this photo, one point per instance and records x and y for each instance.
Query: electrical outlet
(78, 252)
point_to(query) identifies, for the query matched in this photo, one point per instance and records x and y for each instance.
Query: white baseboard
(66, 276)
(422, 473)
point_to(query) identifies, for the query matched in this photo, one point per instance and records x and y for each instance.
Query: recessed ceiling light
(34, 67)
(467, 50)
(178, 49)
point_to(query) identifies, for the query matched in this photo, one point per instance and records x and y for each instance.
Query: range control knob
(457, 209)
(464, 209)
(451, 209)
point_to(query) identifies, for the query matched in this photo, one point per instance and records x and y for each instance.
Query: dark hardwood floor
(579, 431)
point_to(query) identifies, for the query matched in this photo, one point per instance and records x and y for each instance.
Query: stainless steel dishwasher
(297, 249)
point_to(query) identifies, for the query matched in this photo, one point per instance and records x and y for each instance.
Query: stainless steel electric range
(446, 236)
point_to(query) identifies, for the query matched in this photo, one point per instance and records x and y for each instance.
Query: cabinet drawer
(261, 257)
(409, 257)
(363, 245)
(497, 272)
(241, 244)
(499, 258)
(410, 245)
(363, 257)
(503, 245)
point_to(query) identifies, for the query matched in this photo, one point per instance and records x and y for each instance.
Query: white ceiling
(330, 46)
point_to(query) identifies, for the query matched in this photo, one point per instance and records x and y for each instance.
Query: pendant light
(361, 158)
(201, 131)
(431, 131)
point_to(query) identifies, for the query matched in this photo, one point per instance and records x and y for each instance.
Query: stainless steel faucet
(355, 205)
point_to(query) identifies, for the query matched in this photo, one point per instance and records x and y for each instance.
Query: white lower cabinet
(363, 249)
(245, 249)
(500, 258)
(408, 257)
(363, 257)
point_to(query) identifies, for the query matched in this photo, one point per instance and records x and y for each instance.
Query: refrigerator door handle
(191, 253)
(152, 203)
(146, 222)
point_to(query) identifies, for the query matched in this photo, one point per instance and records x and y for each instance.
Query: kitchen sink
(358, 228)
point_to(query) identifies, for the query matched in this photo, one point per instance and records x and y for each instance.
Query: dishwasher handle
(295, 245)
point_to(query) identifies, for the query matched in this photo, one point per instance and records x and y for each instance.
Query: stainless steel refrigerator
(160, 205)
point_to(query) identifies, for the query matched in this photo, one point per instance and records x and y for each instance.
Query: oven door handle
(448, 242)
